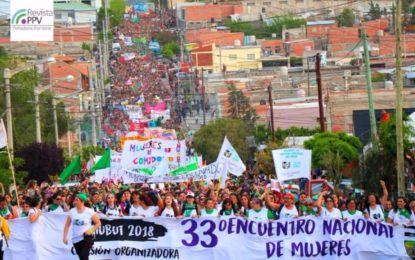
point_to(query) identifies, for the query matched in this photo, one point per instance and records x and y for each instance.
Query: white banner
(3, 135)
(209, 172)
(143, 154)
(113, 173)
(292, 163)
(134, 112)
(31, 20)
(164, 114)
(211, 238)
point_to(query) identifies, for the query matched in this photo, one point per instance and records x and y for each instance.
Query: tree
(346, 18)
(165, 37)
(6, 177)
(264, 160)
(208, 139)
(239, 106)
(379, 163)
(41, 160)
(91, 150)
(374, 11)
(332, 152)
(282, 134)
(170, 49)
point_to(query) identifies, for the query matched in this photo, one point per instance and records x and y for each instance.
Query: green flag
(103, 163)
(72, 169)
(187, 168)
(147, 171)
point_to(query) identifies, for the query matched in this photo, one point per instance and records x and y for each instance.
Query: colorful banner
(209, 172)
(158, 107)
(292, 163)
(142, 154)
(157, 114)
(134, 112)
(211, 238)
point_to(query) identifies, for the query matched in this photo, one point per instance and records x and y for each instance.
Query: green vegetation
(332, 152)
(379, 163)
(239, 106)
(378, 77)
(296, 61)
(6, 175)
(264, 30)
(346, 18)
(374, 12)
(170, 49)
(208, 140)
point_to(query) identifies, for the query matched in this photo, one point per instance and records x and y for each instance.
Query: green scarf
(405, 213)
(52, 207)
(209, 211)
(228, 212)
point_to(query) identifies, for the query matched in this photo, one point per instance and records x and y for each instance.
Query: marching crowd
(243, 196)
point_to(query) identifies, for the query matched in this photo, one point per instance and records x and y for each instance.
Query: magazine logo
(30, 16)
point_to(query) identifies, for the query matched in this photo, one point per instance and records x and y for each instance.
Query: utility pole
(308, 76)
(203, 98)
(55, 121)
(372, 117)
(271, 112)
(68, 136)
(92, 107)
(37, 115)
(399, 101)
(7, 75)
(320, 93)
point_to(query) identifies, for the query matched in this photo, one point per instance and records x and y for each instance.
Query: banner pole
(13, 175)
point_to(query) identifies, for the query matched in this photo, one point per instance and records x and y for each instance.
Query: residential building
(75, 14)
(213, 36)
(234, 58)
(202, 16)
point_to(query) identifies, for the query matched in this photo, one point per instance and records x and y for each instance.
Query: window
(251, 56)
(299, 1)
(267, 3)
(58, 16)
(283, 1)
(250, 4)
(232, 57)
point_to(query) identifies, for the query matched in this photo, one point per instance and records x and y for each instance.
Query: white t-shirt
(134, 210)
(400, 219)
(288, 213)
(335, 213)
(348, 216)
(81, 222)
(214, 213)
(167, 213)
(33, 211)
(376, 213)
(144, 213)
(113, 212)
(261, 215)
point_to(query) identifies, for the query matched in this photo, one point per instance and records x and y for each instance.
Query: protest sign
(134, 112)
(165, 114)
(292, 163)
(209, 172)
(211, 238)
(140, 154)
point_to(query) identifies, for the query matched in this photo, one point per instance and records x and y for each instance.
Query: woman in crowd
(135, 205)
(111, 209)
(209, 210)
(84, 223)
(374, 205)
(288, 209)
(228, 210)
(402, 214)
(170, 209)
(189, 208)
(310, 209)
(329, 210)
(258, 212)
(25, 209)
(35, 212)
(351, 212)
(147, 209)
(245, 205)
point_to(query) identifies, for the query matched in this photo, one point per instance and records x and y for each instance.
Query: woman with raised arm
(84, 223)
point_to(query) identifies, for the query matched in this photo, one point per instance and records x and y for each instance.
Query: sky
(4, 7)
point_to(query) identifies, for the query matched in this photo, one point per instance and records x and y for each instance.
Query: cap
(190, 194)
(82, 196)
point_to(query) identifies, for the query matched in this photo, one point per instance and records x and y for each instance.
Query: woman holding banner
(81, 218)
